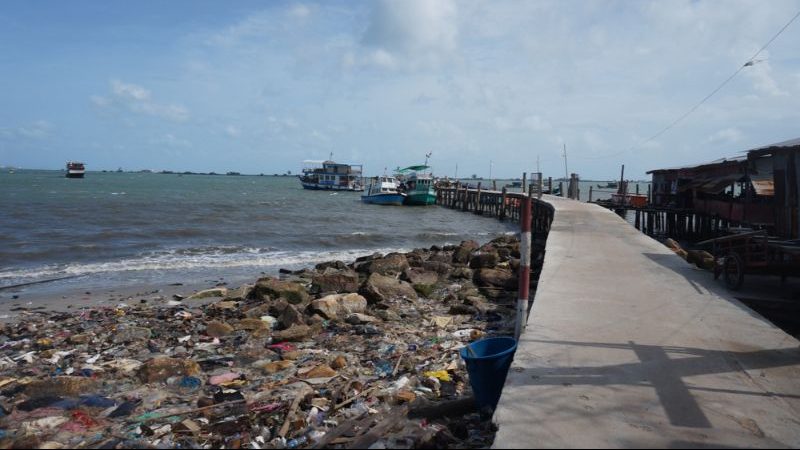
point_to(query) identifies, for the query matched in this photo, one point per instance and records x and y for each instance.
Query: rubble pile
(345, 355)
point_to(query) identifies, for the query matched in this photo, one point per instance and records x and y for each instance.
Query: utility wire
(750, 62)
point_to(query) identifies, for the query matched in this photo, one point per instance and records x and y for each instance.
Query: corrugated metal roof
(790, 143)
(711, 163)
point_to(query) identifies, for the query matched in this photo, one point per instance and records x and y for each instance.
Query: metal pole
(524, 267)
(541, 181)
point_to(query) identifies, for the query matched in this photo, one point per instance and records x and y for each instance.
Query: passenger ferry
(331, 176)
(75, 169)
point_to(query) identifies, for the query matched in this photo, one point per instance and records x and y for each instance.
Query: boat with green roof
(418, 185)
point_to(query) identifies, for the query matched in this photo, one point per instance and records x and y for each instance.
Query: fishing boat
(383, 191)
(418, 186)
(331, 176)
(75, 169)
(609, 185)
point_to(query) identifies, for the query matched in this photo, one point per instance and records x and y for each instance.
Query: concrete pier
(629, 346)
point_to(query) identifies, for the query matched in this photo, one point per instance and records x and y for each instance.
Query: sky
(487, 87)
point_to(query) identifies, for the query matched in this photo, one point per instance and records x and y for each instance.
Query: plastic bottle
(294, 443)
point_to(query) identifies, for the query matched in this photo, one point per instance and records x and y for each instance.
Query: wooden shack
(774, 171)
(759, 189)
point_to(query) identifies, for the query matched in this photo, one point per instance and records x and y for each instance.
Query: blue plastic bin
(488, 368)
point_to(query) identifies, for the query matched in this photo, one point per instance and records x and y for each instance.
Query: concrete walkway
(629, 346)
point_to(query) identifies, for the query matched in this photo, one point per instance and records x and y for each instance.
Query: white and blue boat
(383, 191)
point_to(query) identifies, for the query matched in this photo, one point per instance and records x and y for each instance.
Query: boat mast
(566, 172)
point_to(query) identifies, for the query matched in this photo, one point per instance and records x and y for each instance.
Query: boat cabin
(329, 175)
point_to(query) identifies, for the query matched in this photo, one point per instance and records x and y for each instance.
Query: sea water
(118, 229)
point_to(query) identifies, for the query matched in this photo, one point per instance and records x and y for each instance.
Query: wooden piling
(478, 203)
(503, 205)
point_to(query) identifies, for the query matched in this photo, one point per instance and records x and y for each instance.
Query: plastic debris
(287, 362)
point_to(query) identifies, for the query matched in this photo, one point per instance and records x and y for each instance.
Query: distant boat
(419, 185)
(75, 169)
(383, 191)
(331, 176)
(609, 185)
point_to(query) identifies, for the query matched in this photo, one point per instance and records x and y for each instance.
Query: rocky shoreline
(343, 355)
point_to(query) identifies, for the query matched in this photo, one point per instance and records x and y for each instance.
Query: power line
(750, 62)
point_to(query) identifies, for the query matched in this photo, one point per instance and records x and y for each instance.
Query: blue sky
(260, 86)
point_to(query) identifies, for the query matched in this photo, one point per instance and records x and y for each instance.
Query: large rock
(332, 280)
(240, 293)
(295, 333)
(337, 265)
(418, 276)
(445, 257)
(60, 387)
(159, 369)
(379, 288)
(209, 293)
(131, 334)
(272, 367)
(268, 287)
(505, 240)
(463, 251)
(392, 264)
(217, 329)
(484, 260)
(462, 272)
(388, 315)
(291, 316)
(437, 266)
(337, 306)
(359, 319)
(495, 278)
(252, 324)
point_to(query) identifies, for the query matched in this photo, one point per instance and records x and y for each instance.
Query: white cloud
(761, 75)
(726, 136)
(300, 11)
(536, 123)
(99, 101)
(170, 140)
(411, 32)
(41, 129)
(528, 123)
(137, 99)
(232, 131)
(132, 91)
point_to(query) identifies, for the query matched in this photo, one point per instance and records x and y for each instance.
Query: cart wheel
(734, 271)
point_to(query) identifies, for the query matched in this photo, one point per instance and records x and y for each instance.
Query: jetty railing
(681, 224)
(504, 205)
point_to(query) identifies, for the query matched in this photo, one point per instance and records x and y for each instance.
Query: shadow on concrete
(657, 369)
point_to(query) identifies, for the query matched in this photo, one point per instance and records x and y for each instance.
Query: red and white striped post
(524, 267)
